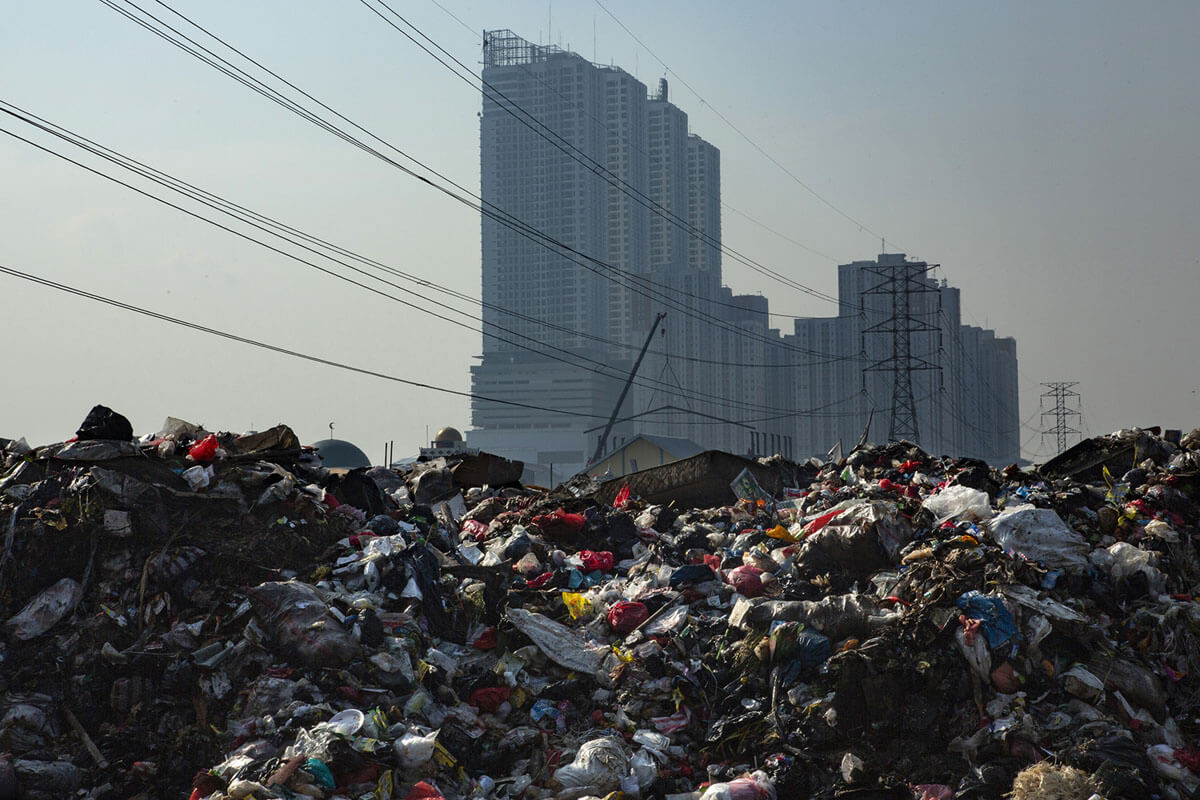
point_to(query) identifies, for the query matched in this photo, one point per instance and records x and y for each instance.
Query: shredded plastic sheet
(561, 644)
(1040, 535)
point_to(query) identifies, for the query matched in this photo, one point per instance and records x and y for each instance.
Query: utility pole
(901, 282)
(1060, 392)
(602, 442)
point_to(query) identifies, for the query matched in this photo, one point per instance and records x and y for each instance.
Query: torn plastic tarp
(837, 616)
(561, 644)
(1040, 535)
(862, 538)
(45, 610)
(295, 616)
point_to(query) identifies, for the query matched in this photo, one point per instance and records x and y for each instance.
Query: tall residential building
(602, 210)
(582, 155)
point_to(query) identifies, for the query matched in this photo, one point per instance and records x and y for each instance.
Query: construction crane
(600, 445)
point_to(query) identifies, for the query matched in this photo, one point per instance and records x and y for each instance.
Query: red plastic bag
(424, 791)
(486, 640)
(489, 699)
(597, 559)
(475, 529)
(559, 523)
(821, 522)
(745, 580)
(539, 581)
(623, 617)
(622, 497)
(205, 450)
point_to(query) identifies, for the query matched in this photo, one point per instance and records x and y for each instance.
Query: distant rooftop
(338, 453)
(503, 48)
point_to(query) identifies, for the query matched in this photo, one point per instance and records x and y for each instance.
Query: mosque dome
(447, 437)
(338, 453)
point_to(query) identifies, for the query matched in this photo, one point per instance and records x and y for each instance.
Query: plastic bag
(45, 610)
(295, 616)
(415, 748)
(205, 450)
(198, 477)
(559, 524)
(1040, 535)
(755, 786)
(745, 580)
(959, 502)
(997, 623)
(490, 698)
(578, 604)
(643, 768)
(1128, 560)
(599, 766)
(624, 616)
(104, 423)
(597, 560)
(561, 645)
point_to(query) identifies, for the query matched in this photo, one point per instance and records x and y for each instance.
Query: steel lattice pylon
(1060, 392)
(901, 281)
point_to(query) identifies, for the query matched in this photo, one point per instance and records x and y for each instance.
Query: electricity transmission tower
(902, 282)
(1060, 392)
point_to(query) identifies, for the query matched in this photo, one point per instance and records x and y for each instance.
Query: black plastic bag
(104, 423)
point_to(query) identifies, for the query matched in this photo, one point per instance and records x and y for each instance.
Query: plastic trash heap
(218, 615)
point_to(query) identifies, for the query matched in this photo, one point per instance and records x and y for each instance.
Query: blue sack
(998, 625)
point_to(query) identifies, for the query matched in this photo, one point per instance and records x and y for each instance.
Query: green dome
(340, 454)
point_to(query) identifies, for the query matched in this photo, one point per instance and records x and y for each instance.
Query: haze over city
(1044, 156)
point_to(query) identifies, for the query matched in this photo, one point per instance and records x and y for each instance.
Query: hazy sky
(1046, 154)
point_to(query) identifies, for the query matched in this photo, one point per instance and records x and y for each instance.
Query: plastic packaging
(599, 766)
(198, 477)
(296, 618)
(415, 748)
(755, 786)
(45, 610)
(1039, 534)
(959, 502)
(205, 450)
(624, 616)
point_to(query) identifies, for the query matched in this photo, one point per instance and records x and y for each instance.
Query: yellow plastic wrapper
(383, 789)
(782, 533)
(577, 604)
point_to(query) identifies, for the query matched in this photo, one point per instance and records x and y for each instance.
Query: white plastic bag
(1040, 535)
(599, 766)
(45, 610)
(755, 786)
(959, 502)
(1128, 560)
(415, 748)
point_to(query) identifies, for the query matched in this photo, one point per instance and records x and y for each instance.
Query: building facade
(602, 209)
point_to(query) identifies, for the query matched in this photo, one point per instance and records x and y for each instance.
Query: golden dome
(448, 435)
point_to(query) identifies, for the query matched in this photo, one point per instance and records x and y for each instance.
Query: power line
(572, 151)
(225, 334)
(573, 255)
(861, 225)
(229, 207)
(600, 368)
(62, 287)
(634, 145)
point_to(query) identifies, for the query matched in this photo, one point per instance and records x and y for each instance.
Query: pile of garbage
(221, 615)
